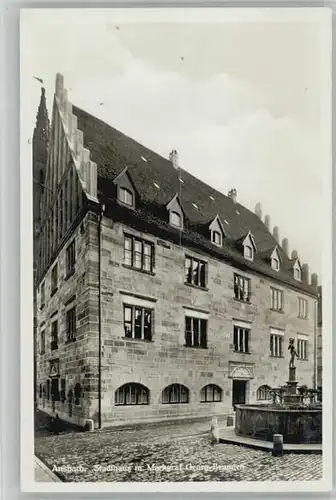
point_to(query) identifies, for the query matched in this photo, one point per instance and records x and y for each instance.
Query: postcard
(176, 220)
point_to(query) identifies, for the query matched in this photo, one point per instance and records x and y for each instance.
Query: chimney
(276, 233)
(295, 255)
(174, 159)
(314, 280)
(258, 210)
(233, 195)
(268, 221)
(285, 246)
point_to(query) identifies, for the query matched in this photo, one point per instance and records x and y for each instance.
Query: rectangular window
(276, 299)
(62, 392)
(241, 337)
(71, 324)
(302, 349)
(276, 345)
(302, 308)
(138, 253)
(196, 332)
(55, 396)
(54, 279)
(54, 336)
(242, 288)
(138, 322)
(70, 258)
(195, 272)
(42, 295)
(42, 349)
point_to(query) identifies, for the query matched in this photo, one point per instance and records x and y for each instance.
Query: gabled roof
(219, 222)
(249, 236)
(268, 254)
(121, 175)
(112, 151)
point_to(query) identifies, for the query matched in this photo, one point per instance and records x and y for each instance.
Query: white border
(187, 15)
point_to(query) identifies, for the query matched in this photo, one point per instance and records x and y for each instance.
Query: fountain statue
(285, 414)
(293, 353)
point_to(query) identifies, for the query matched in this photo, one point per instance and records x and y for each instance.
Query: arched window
(131, 394)
(175, 219)
(263, 393)
(78, 393)
(211, 394)
(217, 238)
(126, 196)
(175, 393)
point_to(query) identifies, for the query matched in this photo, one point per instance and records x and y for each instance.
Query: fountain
(299, 423)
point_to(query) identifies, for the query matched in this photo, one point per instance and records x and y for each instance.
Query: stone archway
(241, 373)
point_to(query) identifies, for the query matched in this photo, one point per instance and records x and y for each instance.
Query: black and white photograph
(176, 177)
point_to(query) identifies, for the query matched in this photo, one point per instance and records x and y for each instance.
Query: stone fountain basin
(296, 424)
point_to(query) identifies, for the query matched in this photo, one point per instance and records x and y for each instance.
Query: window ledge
(211, 402)
(303, 317)
(175, 403)
(130, 404)
(132, 339)
(69, 341)
(204, 288)
(302, 359)
(279, 357)
(194, 346)
(241, 301)
(151, 273)
(281, 311)
(67, 276)
(241, 352)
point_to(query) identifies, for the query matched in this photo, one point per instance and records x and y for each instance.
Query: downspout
(100, 219)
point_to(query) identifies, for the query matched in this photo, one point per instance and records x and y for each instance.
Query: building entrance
(238, 392)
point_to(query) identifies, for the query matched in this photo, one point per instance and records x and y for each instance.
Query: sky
(240, 99)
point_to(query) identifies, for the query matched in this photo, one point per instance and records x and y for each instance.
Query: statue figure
(293, 353)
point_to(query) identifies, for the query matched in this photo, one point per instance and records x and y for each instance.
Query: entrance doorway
(238, 392)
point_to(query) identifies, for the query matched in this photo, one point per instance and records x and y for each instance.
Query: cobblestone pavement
(166, 453)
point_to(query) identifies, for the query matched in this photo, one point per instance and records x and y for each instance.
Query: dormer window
(217, 238)
(126, 196)
(175, 219)
(216, 232)
(275, 264)
(175, 213)
(125, 188)
(249, 247)
(297, 271)
(248, 252)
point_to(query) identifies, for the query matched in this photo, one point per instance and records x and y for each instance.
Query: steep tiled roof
(113, 151)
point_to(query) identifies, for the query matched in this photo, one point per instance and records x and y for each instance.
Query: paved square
(179, 452)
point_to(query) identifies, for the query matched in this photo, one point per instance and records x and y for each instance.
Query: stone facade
(79, 375)
(165, 360)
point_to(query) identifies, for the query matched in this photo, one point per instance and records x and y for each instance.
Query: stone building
(158, 297)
